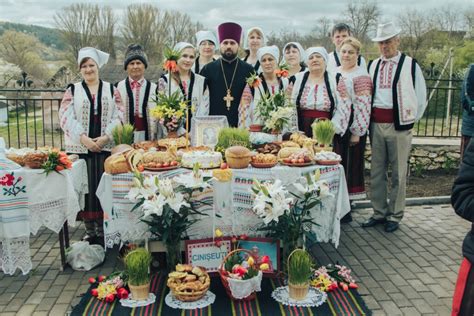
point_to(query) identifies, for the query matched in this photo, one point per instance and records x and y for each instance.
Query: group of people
(387, 98)
(381, 99)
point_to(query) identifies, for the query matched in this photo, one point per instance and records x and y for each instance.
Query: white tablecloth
(44, 201)
(231, 200)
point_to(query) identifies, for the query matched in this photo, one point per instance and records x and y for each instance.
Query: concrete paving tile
(390, 308)
(36, 313)
(410, 311)
(46, 304)
(35, 298)
(65, 297)
(14, 305)
(26, 310)
(400, 299)
(54, 291)
(409, 292)
(59, 309)
(439, 291)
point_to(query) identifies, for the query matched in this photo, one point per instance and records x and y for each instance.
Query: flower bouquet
(167, 207)
(56, 161)
(286, 214)
(171, 108)
(241, 273)
(330, 277)
(108, 288)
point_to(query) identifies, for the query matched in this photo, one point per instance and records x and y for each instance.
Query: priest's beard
(229, 55)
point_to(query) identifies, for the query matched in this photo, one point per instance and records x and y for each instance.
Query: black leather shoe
(391, 226)
(371, 222)
(347, 218)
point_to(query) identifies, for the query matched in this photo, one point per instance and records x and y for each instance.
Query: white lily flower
(190, 181)
(153, 206)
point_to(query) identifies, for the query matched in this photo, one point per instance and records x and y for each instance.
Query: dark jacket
(462, 198)
(467, 128)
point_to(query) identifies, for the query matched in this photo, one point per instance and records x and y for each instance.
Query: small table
(32, 200)
(232, 201)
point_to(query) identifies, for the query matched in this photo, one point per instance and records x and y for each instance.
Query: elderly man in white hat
(398, 101)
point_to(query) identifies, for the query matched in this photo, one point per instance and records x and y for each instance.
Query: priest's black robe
(218, 90)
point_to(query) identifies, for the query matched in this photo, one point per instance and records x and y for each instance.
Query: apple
(294, 160)
(301, 160)
(174, 163)
(224, 165)
(166, 164)
(287, 160)
(158, 165)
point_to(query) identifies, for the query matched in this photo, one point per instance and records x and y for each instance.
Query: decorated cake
(206, 159)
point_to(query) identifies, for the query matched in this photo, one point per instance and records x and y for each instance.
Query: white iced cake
(206, 159)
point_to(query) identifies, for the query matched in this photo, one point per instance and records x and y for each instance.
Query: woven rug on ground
(338, 303)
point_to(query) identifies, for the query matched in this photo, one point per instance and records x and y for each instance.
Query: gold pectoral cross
(228, 99)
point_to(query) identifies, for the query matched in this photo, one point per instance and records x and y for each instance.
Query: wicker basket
(140, 292)
(186, 293)
(224, 277)
(297, 292)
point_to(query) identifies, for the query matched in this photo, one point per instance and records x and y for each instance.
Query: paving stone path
(409, 272)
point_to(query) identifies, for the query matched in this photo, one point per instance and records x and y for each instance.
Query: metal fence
(29, 117)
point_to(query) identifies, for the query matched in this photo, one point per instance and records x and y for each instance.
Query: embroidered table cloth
(231, 200)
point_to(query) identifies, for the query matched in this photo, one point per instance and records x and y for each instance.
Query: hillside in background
(48, 36)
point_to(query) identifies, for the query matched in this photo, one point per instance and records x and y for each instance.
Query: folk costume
(256, 66)
(200, 37)
(398, 101)
(252, 96)
(302, 58)
(138, 97)
(320, 101)
(462, 200)
(226, 78)
(334, 61)
(93, 115)
(359, 87)
(193, 90)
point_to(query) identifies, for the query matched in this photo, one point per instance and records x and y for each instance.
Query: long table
(51, 201)
(231, 200)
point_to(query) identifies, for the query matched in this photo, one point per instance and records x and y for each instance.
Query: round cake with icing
(206, 159)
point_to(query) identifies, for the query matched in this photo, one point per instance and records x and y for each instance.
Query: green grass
(21, 132)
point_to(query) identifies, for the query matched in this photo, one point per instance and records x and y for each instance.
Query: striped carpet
(339, 303)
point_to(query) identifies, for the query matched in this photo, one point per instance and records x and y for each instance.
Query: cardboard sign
(204, 253)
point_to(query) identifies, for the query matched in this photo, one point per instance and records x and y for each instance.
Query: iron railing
(32, 115)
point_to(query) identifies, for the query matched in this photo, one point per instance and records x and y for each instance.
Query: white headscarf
(272, 50)
(320, 50)
(98, 56)
(205, 36)
(300, 49)
(250, 30)
(182, 45)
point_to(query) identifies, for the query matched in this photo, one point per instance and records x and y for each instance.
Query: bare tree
(448, 18)
(23, 50)
(143, 24)
(78, 26)
(362, 17)
(105, 30)
(180, 27)
(415, 31)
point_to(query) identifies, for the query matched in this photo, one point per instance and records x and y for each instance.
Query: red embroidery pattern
(386, 75)
(362, 85)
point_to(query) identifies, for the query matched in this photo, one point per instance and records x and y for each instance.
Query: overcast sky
(271, 15)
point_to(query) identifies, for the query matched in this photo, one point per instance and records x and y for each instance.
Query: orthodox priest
(226, 76)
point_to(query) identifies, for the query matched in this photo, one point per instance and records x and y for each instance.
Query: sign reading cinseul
(205, 253)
